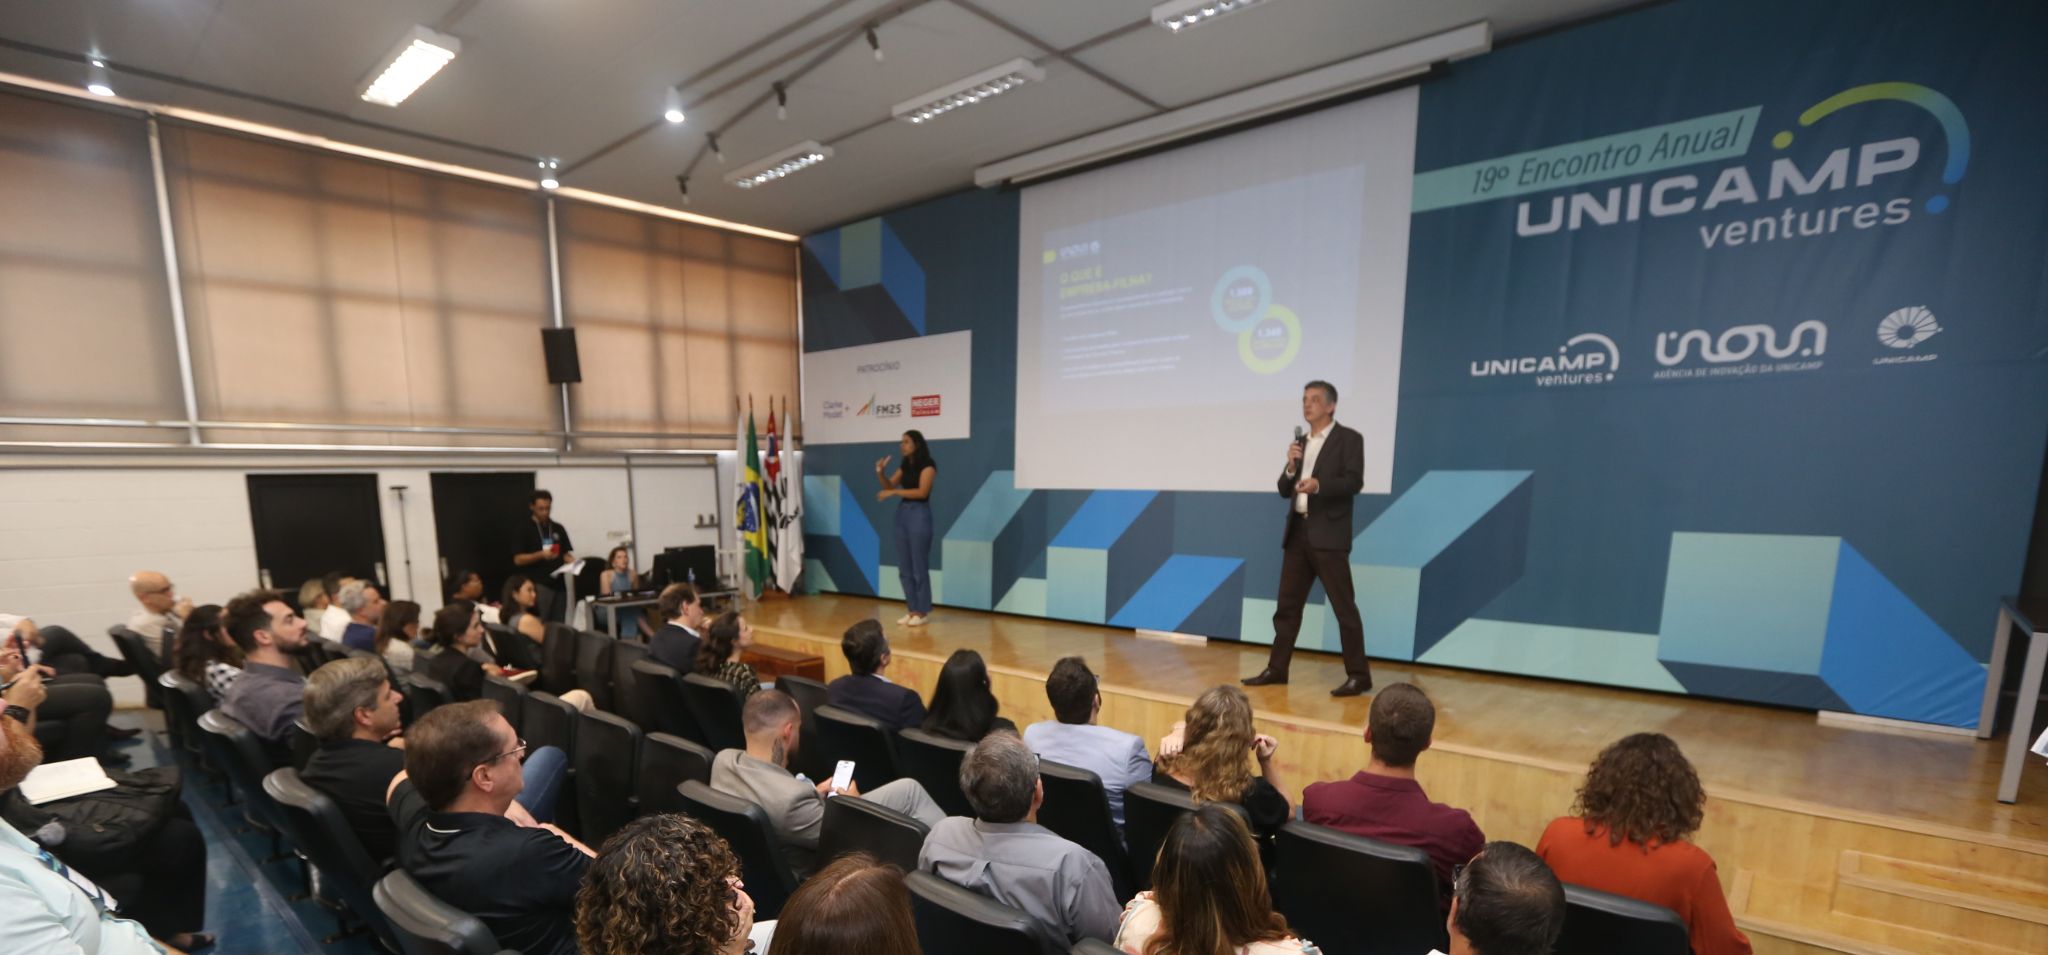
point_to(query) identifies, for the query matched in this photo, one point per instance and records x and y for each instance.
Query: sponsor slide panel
(872, 393)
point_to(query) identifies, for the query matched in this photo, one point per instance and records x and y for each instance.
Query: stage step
(1942, 899)
(1800, 918)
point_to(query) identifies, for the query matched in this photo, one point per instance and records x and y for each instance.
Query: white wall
(70, 535)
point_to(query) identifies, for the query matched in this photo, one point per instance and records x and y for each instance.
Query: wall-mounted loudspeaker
(560, 346)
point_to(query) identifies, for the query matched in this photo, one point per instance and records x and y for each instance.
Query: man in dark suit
(1316, 544)
(543, 548)
(866, 690)
(682, 615)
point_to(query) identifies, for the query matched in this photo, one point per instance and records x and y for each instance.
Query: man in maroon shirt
(1385, 802)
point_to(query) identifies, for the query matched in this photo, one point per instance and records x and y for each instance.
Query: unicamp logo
(1667, 171)
(1904, 331)
(1585, 359)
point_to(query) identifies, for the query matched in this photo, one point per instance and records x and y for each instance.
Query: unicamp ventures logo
(1750, 186)
(1585, 359)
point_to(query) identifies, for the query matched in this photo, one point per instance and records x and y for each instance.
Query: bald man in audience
(162, 613)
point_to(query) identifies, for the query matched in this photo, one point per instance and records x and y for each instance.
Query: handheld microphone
(1300, 436)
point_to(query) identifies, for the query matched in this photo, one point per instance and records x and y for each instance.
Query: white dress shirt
(1308, 462)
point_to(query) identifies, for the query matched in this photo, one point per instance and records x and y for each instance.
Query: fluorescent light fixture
(1375, 69)
(1181, 14)
(419, 55)
(801, 156)
(674, 112)
(994, 81)
(96, 77)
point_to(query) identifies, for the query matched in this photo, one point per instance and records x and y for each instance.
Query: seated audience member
(866, 690)
(621, 578)
(313, 601)
(53, 905)
(1003, 852)
(854, 906)
(1205, 755)
(67, 714)
(333, 621)
(963, 707)
(675, 644)
(1640, 801)
(1507, 902)
(518, 614)
(396, 630)
(461, 837)
(458, 661)
(725, 642)
(1208, 895)
(162, 613)
(269, 694)
(1384, 802)
(664, 884)
(365, 606)
(352, 708)
(1072, 736)
(206, 655)
(59, 649)
(469, 585)
(795, 805)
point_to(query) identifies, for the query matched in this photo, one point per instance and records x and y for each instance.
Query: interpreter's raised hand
(881, 464)
(885, 494)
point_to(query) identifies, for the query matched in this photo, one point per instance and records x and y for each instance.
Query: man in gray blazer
(795, 805)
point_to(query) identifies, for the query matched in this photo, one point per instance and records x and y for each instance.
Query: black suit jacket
(897, 707)
(1340, 471)
(674, 646)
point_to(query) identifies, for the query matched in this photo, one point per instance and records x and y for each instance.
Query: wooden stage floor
(1828, 838)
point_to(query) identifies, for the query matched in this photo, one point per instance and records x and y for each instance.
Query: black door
(476, 522)
(308, 525)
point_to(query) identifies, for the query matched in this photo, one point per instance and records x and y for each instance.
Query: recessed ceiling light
(796, 158)
(96, 81)
(419, 55)
(674, 112)
(994, 81)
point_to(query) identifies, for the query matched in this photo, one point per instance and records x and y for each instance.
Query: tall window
(674, 320)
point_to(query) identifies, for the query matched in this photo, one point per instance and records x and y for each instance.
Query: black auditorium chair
(304, 743)
(627, 700)
(511, 700)
(951, 919)
(1076, 809)
(1329, 883)
(184, 700)
(1094, 946)
(845, 734)
(666, 762)
(934, 761)
(548, 720)
(1598, 922)
(853, 824)
(607, 757)
(715, 705)
(426, 925)
(745, 827)
(558, 659)
(246, 760)
(426, 694)
(135, 649)
(511, 648)
(661, 688)
(1149, 810)
(323, 835)
(809, 695)
(594, 667)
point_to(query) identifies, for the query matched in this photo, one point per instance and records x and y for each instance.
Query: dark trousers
(1300, 567)
(72, 721)
(64, 652)
(163, 886)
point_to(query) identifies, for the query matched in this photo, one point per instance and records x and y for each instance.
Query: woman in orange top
(1640, 801)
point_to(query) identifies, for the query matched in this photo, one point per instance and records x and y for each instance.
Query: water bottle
(693, 576)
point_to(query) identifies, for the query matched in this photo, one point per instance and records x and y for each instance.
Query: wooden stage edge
(1829, 838)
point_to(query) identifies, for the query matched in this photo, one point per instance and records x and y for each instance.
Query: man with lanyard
(543, 549)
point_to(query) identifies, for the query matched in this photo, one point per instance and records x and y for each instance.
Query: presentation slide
(1171, 308)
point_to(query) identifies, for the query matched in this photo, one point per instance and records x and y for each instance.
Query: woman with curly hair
(1627, 835)
(1209, 754)
(205, 653)
(664, 883)
(1208, 895)
(855, 906)
(718, 656)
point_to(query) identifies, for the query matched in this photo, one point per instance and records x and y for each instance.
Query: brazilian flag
(747, 521)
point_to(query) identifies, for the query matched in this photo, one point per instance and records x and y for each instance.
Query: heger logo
(924, 406)
(1809, 339)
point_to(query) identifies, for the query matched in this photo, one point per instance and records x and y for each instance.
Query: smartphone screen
(842, 777)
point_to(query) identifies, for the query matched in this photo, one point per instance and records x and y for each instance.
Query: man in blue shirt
(1074, 739)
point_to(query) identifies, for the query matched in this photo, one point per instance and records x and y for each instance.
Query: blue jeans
(914, 554)
(542, 778)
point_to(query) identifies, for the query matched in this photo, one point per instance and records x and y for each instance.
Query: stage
(1828, 838)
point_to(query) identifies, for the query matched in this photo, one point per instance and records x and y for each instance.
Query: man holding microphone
(543, 549)
(1325, 470)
